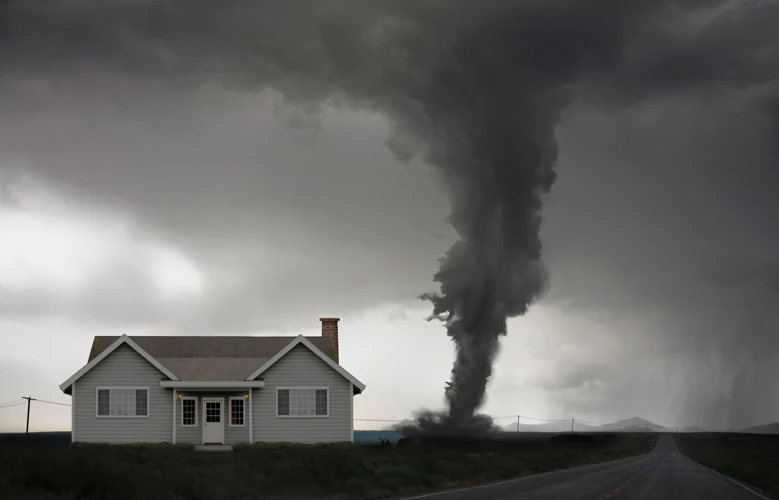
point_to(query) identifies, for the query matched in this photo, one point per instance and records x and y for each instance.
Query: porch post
(173, 390)
(251, 390)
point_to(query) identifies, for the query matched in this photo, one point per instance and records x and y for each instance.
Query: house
(214, 390)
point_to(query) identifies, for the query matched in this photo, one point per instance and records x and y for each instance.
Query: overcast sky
(133, 203)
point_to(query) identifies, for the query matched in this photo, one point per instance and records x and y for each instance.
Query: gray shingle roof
(211, 358)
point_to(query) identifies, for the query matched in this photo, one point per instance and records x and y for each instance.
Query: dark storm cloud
(474, 89)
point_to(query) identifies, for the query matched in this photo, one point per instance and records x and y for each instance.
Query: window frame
(120, 387)
(314, 388)
(230, 411)
(190, 398)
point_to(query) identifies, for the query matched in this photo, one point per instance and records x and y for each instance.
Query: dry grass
(752, 458)
(46, 469)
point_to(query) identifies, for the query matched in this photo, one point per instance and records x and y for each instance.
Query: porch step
(213, 447)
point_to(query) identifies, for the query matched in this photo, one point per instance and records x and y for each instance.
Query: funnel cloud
(474, 89)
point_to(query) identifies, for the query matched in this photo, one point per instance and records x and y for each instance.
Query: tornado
(475, 89)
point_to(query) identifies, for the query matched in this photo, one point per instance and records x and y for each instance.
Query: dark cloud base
(476, 90)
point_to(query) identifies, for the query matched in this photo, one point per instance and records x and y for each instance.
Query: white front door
(213, 421)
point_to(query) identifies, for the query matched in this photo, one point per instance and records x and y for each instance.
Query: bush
(406, 475)
(391, 483)
(292, 444)
(432, 481)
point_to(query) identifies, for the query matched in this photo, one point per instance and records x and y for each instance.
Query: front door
(213, 423)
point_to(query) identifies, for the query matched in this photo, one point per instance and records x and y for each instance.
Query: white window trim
(302, 387)
(191, 398)
(230, 411)
(108, 388)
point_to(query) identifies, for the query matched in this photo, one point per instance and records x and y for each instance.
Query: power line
(28, 400)
(22, 401)
(591, 423)
(15, 404)
(545, 419)
(51, 402)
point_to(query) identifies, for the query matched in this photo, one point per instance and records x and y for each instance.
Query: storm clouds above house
(148, 144)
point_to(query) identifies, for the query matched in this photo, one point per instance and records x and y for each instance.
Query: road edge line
(518, 479)
(734, 481)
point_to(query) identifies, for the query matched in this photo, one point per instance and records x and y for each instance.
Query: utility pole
(646, 427)
(571, 425)
(29, 400)
(517, 423)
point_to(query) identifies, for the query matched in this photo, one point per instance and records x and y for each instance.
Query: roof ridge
(210, 336)
(211, 346)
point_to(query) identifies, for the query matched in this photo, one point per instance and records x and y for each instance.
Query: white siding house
(214, 390)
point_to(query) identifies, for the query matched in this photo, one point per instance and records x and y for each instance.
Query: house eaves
(124, 339)
(300, 339)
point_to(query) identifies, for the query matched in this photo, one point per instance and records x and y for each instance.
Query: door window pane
(213, 412)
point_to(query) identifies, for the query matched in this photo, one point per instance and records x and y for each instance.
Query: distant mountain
(763, 429)
(635, 424)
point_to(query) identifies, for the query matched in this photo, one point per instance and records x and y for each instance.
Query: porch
(212, 415)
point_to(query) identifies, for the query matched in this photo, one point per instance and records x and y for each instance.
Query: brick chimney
(330, 330)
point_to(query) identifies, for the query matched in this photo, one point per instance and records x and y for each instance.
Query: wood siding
(301, 367)
(123, 367)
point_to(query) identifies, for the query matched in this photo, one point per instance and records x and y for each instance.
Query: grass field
(752, 458)
(50, 468)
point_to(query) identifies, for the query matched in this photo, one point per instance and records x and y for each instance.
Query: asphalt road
(663, 474)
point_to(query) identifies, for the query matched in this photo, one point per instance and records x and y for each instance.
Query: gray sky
(134, 200)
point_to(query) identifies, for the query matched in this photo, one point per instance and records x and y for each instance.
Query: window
(302, 402)
(122, 402)
(236, 411)
(213, 412)
(189, 412)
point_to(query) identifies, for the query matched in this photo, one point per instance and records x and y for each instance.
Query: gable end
(123, 340)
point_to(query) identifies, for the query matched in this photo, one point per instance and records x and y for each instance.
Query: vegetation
(751, 458)
(52, 469)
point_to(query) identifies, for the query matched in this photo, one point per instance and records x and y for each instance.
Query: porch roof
(226, 385)
(212, 369)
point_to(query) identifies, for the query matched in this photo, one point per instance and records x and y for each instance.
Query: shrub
(332, 466)
(432, 481)
(392, 483)
(406, 475)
